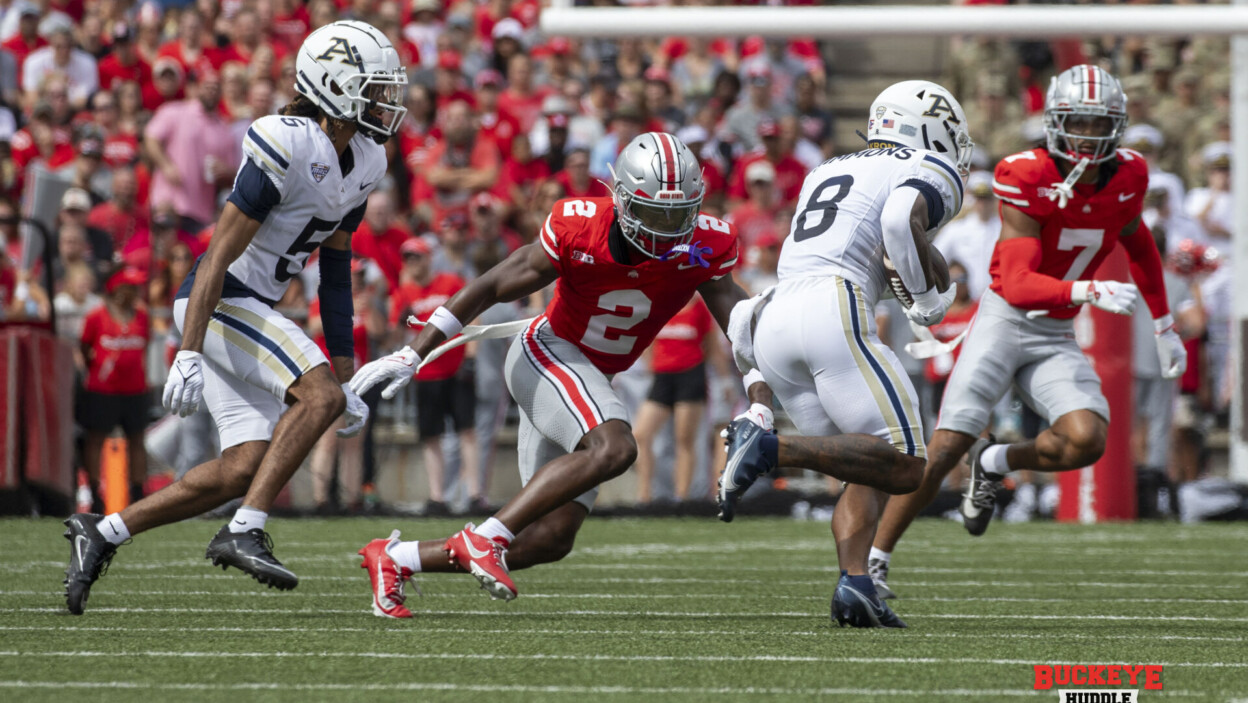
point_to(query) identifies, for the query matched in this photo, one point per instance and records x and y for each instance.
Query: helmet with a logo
(657, 187)
(351, 71)
(923, 115)
(1085, 114)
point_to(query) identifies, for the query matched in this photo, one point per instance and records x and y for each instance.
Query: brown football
(937, 273)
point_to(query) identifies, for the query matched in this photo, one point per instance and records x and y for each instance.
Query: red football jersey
(421, 301)
(679, 344)
(118, 349)
(612, 312)
(1074, 240)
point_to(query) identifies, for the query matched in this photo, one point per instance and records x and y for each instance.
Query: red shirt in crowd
(421, 301)
(359, 334)
(500, 127)
(483, 155)
(679, 344)
(789, 176)
(595, 189)
(113, 73)
(116, 365)
(20, 49)
(525, 108)
(753, 223)
(382, 248)
(122, 225)
(292, 28)
(121, 149)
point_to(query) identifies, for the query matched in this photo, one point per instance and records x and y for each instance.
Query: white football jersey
(836, 230)
(298, 157)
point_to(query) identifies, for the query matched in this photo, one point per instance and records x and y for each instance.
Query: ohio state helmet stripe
(1090, 85)
(667, 158)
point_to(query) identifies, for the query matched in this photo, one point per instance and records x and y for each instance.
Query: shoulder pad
(272, 142)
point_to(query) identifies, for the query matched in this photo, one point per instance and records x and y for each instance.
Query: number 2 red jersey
(611, 311)
(1074, 240)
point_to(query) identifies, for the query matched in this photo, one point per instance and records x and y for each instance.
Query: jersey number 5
(827, 207)
(600, 326)
(1087, 239)
(302, 248)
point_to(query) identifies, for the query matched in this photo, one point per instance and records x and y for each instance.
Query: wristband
(1163, 324)
(446, 321)
(751, 377)
(1080, 292)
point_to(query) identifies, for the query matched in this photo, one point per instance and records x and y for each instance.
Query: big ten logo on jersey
(343, 51)
(579, 208)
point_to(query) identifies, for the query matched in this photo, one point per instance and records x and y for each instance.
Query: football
(937, 273)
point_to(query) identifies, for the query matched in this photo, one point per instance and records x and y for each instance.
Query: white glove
(1110, 296)
(396, 369)
(1170, 349)
(760, 415)
(184, 389)
(929, 306)
(356, 413)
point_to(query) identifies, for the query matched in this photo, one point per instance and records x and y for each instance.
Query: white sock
(881, 555)
(248, 519)
(493, 529)
(113, 529)
(406, 554)
(993, 460)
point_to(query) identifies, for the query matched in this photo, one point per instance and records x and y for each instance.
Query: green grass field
(658, 609)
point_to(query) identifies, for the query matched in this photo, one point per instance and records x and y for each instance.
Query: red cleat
(387, 577)
(484, 559)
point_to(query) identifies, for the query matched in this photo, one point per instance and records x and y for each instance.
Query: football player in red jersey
(623, 266)
(1063, 209)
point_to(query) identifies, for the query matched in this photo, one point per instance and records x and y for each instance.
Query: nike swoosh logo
(240, 522)
(366, 185)
(1124, 197)
(473, 551)
(78, 542)
(682, 267)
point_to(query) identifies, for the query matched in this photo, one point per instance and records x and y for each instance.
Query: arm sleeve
(1146, 269)
(352, 221)
(899, 237)
(254, 193)
(337, 306)
(1021, 285)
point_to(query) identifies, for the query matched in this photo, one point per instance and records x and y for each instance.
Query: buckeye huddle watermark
(1145, 676)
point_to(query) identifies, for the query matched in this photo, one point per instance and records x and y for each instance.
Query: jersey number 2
(1087, 239)
(302, 248)
(600, 326)
(826, 207)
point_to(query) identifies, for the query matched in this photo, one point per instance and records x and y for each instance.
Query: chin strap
(1064, 191)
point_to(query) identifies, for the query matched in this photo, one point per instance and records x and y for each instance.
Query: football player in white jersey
(812, 338)
(303, 184)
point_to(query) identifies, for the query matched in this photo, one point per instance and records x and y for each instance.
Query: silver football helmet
(1085, 114)
(352, 72)
(922, 115)
(657, 187)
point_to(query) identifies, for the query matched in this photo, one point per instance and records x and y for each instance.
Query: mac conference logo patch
(319, 171)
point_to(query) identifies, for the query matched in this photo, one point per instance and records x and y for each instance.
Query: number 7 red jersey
(612, 311)
(1074, 240)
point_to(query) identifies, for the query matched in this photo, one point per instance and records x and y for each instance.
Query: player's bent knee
(1084, 439)
(614, 453)
(907, 476)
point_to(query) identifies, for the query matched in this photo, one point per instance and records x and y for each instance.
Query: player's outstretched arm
(526, 271)
(233, 233)
(1146, 271)
(720, 296)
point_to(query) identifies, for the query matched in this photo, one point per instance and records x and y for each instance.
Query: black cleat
(252, 553)
(89, 557)
(980, 498)
(745, 464)
(856, 603)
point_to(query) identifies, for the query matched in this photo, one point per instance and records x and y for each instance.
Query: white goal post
(1030, 21)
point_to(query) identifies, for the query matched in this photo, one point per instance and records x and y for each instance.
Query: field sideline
(660, 609)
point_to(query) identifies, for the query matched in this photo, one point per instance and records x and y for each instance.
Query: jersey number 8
(825, 206)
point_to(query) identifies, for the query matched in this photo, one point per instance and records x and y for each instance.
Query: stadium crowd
(120, 132)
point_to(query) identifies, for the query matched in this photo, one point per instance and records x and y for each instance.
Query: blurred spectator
(627, 122)
(522, 99)
(693, 73)
(658, 97)
(459, 164)
(817, 123)
(86, 170)
(1161, 214)
(448, 81)
(114, 343)
(576, 179)
(121, 147)
(996, 121)
(123, 62)
(522, 172)
(494, 123)
(453, 255)
(505, 35)
(1149, 141)
(970, 239)
(423, 30)
(696, 138)
(1213, 206)
(28, 37)
(754, 218)
(557, 113)
(442, 389)
(760, 272)
(82, 240)
(744, 118)
(488, 231)
(789, 171)
(191, 146)
(1175, 115)
(60, 57)
(188, 48)
(418, 132)
(381, 235)
(76, 299)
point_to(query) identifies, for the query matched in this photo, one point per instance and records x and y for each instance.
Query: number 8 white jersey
(836, 230)
(316, 198)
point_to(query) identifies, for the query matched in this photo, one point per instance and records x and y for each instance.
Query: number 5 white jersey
(836, 230)
(316, 197)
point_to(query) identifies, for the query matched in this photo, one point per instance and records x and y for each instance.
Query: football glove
(1170, 349)
(184, 389)
(1110, 296)
(396, 370)
(929, 306)
(760, 415)
(356, 413)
